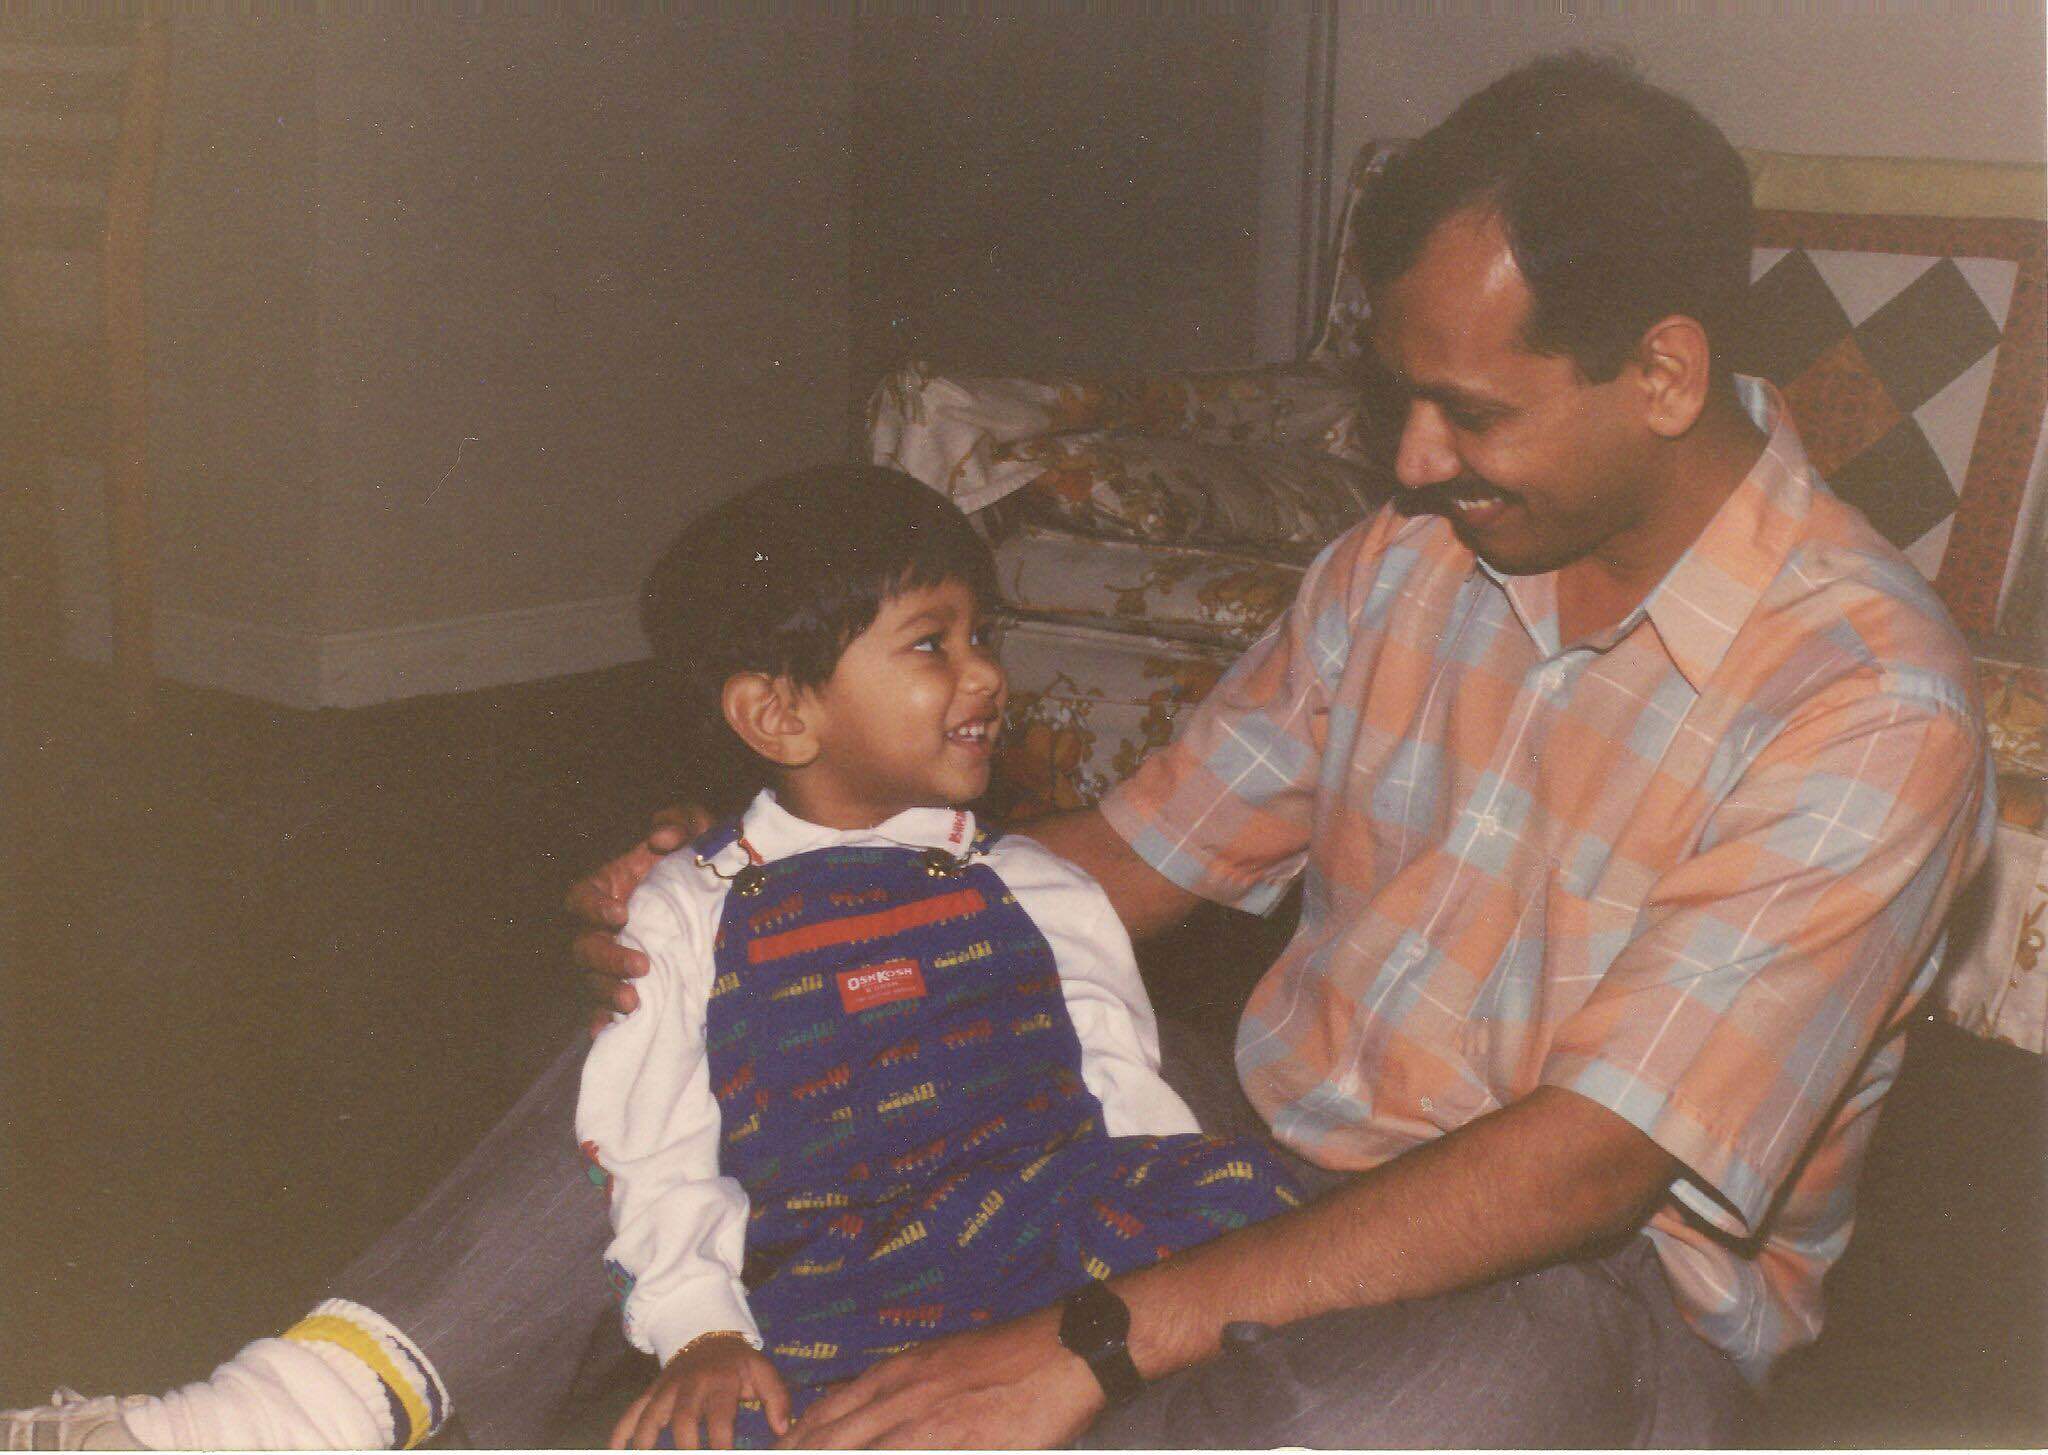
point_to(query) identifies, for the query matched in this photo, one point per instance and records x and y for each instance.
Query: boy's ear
(768, 714)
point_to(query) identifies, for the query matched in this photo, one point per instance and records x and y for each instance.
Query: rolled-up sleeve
(1225, 811)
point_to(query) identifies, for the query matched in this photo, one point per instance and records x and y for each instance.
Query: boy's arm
(1099, 982)
(598, 900)
(647, 1117)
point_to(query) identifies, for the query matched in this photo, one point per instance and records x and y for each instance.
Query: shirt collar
(1705, 597)
(773, 832)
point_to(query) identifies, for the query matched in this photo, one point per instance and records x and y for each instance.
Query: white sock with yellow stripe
(341, 1378)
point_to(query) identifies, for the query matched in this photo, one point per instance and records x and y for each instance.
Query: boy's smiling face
(908, 718)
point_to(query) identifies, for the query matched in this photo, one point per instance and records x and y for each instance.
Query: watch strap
(1117, 1375)
(1094, 1325)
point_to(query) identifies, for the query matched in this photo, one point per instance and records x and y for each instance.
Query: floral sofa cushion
(979, 440)
(1087, 705)
(1223, 598)
(1265, 498)
(1146, 529)
(2015, 689)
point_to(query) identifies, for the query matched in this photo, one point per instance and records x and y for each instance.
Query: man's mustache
(1439, 499)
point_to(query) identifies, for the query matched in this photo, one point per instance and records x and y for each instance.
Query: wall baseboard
(489, 650)
(307, 669)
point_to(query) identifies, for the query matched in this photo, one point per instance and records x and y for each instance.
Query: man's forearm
(1548, 1177)
(1144, 899)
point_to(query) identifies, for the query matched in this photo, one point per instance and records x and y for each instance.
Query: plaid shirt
(1692, 868)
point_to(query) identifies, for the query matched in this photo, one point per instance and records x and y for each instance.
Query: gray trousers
(497, 1277)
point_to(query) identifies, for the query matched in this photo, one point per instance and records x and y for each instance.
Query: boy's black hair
(1622, 203)
(779, 579)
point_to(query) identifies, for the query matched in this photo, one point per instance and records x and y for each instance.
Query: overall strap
(715, 841)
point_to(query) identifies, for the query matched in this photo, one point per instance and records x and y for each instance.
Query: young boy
(893, 1075)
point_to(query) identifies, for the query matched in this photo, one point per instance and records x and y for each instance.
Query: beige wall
(576, 277)
(454, 322)
(1055, 191)
(1961, 80)
(235, 478)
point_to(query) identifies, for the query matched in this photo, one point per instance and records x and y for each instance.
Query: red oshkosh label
(874, 985)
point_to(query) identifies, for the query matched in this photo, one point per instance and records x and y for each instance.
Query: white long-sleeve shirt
(647, 1113)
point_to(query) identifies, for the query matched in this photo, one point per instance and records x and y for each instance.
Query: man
(1631, 776)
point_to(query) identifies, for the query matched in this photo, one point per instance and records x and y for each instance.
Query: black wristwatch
(1095, 1324)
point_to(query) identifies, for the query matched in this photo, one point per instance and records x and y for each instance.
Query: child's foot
(70, 1421)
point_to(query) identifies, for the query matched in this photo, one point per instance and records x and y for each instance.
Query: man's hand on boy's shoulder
(1011, 1386)
(598, 903)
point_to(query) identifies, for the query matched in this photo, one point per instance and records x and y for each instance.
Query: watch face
(1094, 1319)
(1094, 1324)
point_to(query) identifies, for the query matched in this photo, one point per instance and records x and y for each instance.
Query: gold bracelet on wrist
(706, 1338)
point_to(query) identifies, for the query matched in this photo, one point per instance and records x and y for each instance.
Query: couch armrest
(958, 435)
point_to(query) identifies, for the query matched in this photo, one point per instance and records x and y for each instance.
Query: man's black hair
(779, 579)
(1622, 203)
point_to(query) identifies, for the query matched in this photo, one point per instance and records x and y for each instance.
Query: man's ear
(1675, 360)
(770, 715)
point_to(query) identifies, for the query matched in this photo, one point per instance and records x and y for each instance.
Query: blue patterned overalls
(900, 1092)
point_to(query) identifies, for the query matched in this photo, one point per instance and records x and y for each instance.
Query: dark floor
(266, 971)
